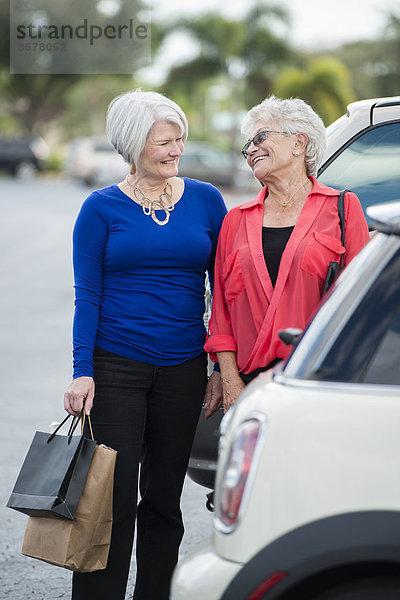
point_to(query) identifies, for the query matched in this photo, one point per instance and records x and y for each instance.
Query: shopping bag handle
(52, 435)
(73, 426)
(83, 423)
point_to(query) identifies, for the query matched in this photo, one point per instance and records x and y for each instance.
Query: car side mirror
(290, 336)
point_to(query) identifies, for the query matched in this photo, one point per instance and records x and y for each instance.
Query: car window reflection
(369, 166)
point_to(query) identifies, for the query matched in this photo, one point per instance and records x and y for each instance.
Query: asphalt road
(36, 298)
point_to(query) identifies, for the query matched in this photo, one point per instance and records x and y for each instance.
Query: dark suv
(21, 157)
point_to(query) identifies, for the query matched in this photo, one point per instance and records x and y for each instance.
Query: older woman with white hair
(141, 251)
(274, 252)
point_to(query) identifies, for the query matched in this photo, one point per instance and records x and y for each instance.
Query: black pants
(149, 415)
(247, 377)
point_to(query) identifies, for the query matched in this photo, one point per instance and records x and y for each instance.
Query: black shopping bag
(53, 474)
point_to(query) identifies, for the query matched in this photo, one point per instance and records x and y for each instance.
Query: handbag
(335, 267)
(83, 544)
(52, 477)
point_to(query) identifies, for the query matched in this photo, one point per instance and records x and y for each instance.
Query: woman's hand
(232, 388)
(213, 399)
(232, 384)
(81, 391)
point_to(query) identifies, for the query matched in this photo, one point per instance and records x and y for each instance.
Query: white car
(94, 161)
(307, 499)
(363, 151)
(204, 161)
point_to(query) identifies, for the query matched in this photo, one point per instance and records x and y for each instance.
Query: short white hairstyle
(130, 117)
(292, 115)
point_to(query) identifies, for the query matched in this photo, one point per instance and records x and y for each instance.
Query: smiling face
(274, 156)
(163, 148)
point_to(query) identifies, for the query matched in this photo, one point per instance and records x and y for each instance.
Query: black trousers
(149, 415)
(247, 377)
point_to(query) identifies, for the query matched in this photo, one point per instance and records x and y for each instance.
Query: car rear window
(367, 349)
(369, 166)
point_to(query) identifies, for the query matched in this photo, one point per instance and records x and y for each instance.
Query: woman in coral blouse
(273, 252)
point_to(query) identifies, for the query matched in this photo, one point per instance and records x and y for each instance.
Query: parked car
(362, 155)
(307, 500)
(363, 151)
(22, 157)
(95, 162)
(206, 162)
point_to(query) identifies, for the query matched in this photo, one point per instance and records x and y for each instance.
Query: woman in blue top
(141, 251)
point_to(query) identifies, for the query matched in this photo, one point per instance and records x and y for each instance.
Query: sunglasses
(259, 139)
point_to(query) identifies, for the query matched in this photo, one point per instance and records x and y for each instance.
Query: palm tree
(244, 55)
(324, 83)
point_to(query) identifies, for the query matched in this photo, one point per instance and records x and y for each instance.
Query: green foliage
(375, 65)
(235, 48)
(97, 36)
(219, 38)
(324, 84)
(244, 56)
(191, 75)
(248, 58)
(87, 103)
(54, 162)
(33, 101)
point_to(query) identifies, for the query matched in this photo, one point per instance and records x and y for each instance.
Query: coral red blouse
(247, 311)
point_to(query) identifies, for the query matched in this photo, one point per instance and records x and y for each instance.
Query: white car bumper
(202, 574)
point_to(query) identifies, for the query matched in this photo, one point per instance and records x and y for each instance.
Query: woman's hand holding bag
(70, 477)
(79, 394)
(53, 475)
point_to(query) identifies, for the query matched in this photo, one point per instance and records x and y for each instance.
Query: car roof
(360, 115)
(372, 104)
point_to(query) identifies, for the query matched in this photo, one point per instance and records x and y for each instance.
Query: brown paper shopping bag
(82, 544)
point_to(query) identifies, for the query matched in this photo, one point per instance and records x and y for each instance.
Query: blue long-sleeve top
(139, 286)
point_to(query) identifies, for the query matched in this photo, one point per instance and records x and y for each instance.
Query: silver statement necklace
(284, 204)
(149, 207)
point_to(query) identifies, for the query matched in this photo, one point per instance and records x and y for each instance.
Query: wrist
(232, 378)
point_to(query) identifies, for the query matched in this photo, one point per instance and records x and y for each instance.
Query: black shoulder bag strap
(340, 207)
(335, 267)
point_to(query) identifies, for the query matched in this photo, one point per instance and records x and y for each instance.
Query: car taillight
(232, 484)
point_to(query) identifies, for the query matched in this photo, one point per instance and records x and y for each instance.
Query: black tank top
(274, 240)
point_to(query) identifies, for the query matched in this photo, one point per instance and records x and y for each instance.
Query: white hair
(291, 116)
(130, 117)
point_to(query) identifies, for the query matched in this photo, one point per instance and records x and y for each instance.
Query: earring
(133, 169)
(296, 153)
